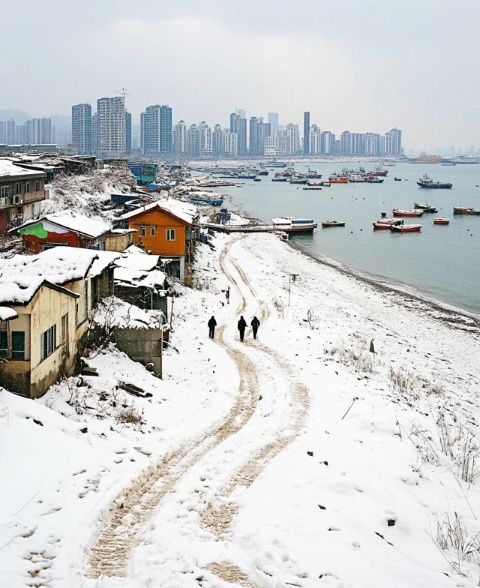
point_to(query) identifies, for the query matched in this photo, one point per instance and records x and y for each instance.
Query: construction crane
(123, 92)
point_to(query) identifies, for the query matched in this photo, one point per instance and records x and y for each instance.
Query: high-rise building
(143, 127)
(306, 133)
(111, 127)
(128, 133)
(393, 143)
(273, 121)
(95, 133)
(218, 147)
(180, 138)
(258, 131)
(230, 143)
(82, 128)
(36, 131)
(238, 125)
(193, 141)
(315, 140)
(205, 139)
(158, 132)
(328, 143)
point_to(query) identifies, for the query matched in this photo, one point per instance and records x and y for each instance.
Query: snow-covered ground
(299, 459)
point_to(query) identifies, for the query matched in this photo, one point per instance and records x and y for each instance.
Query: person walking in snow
(227, 294)
(212, 323)
(242, 325)
(255, 324)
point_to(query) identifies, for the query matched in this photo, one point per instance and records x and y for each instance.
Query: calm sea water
(442, 262)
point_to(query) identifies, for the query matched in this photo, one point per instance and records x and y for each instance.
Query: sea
(440, 262)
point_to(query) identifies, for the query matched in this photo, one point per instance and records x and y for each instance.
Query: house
(140, 280)
(73, 230)
(166, 228)
(21, 191)
(46, 305)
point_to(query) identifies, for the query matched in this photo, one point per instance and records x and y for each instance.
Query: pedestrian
(255, 324)
(212, 323)
(242, 325)
(227, 294)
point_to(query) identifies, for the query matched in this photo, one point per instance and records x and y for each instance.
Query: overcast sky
(355, 64)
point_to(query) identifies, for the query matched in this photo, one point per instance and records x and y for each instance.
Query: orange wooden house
(166, 229)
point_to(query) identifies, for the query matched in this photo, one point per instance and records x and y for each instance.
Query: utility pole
(291, 278)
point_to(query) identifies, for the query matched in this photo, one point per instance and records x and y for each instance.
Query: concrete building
(180, 138)
(273, 121)
(82, 128)
(315, 140)
(21, 192)
(238, 125)
(218, 147)
(393, 143)
(205, 139)
(128, 133)
(230, 143)
(328, 143)
(193, 141)
(157, 130)
(46, 303)
(306, 133)
(111, 128)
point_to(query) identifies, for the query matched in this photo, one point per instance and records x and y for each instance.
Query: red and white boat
(441, 221)
(385, 224)
(406, 228)
(397, 212)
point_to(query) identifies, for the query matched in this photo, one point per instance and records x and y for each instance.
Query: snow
(74, 221)
(7, 313)
(114, 312)
(182, 210)
(273, 463)
(8, 168)
(22, 275)
(137, 268)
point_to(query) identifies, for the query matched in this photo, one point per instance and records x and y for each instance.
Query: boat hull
(441, 221)
(332, 224)
(407, 213)
(406, 228)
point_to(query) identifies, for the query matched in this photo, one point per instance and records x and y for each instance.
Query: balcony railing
(22, 199)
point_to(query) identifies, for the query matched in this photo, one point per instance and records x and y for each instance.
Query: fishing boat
(426, 182)
(279, 178)
(379, 171)
(406, 228)
(424, 207)
(275, 163)
(336, 179)
(398, 179)
(332, 223)
(312, 187)
(293, 224)
(312, 174)
(298, 180)
(462, 210)
(206, 201)
(374, 180)
(441, 221)
(385, 224)
(407, 213)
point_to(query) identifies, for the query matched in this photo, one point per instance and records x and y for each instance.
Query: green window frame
(48, 342)
(18, 345)
(3, 340)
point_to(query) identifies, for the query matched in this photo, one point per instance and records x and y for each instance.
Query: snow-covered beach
(300, 459)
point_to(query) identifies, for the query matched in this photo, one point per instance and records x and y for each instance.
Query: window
(27, 186)
(18, 188)
(143, 231)
(152, 231)
(18, 345)
(170, 234)
(3, 340)
(4, 191)
(37, 186)
(48, 342)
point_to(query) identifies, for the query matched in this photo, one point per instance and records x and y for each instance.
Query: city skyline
(348, 67)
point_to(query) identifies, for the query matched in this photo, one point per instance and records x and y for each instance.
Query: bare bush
(452, 536)
(403, 381)
(426, 450)
(129, 416)
(361, 360)
(460, 445)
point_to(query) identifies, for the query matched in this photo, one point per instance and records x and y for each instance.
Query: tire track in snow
(219, 517)
(135, 505)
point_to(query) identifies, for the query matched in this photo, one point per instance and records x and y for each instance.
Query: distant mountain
(18, 115)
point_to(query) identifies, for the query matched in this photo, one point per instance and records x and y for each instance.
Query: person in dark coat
(242, 325)
(255, 324)
(227, 294)
(212, 323)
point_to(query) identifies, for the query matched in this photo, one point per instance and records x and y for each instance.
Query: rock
(391, 522)
(310, 453)
(84, 430)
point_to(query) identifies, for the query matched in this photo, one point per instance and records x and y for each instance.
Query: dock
(256, 228)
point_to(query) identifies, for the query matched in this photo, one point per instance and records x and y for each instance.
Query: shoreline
(454, 314)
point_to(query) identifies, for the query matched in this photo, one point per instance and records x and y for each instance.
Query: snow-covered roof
(73, 221)
(22, 275)
(7, 313)
(182, 210)
(139, 269)
(8, 168)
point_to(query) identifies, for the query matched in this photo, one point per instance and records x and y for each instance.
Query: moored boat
(441, 221)
(425, 207)
(406, 228)
(293, 224)
(336, 179)
(332, 223)
(309, 187)
(398, 179)
(462, 210)
(426, 182)
(385, 224)
(407, 213)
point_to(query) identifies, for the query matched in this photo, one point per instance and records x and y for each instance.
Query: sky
(354, 64)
